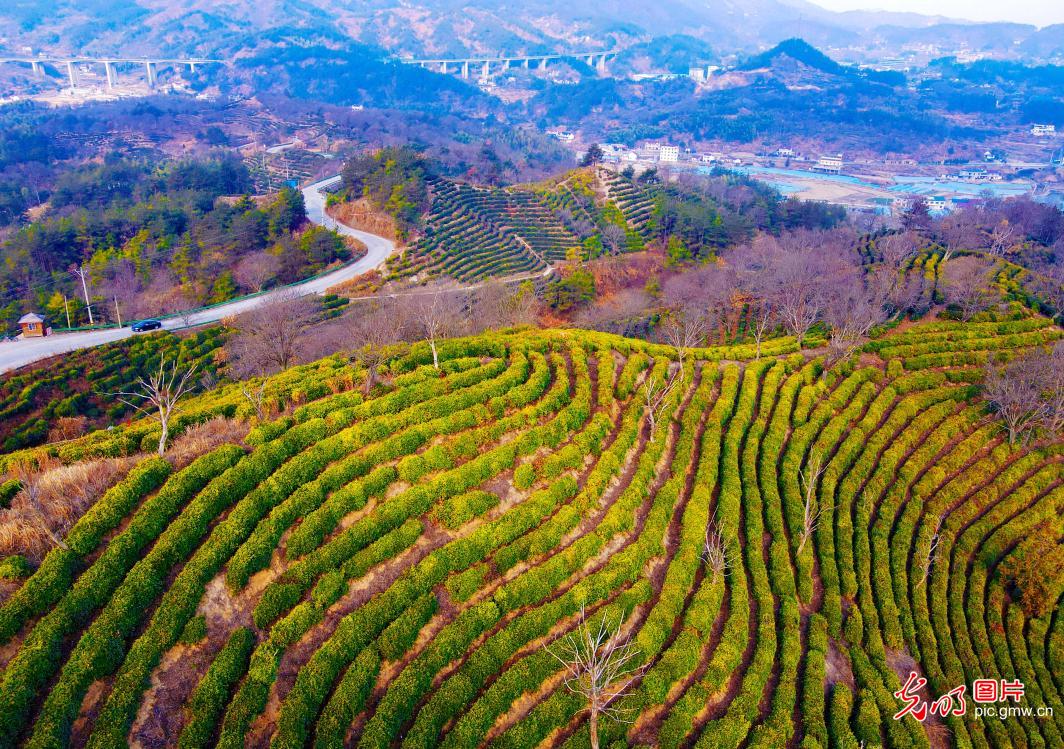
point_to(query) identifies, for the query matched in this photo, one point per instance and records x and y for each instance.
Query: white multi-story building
(830, 164)
(669, 154)
(1043, 130)
(937, 203)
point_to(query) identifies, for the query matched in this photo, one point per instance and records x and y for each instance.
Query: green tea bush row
(122, 580)
(208, 699)
(254, 485)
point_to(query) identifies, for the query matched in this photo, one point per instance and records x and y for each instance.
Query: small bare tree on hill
(600, 665)
(967, 285)
(272, 332)
(435, 315)
(798, 292)
(715, 551)
(1051, 372)
(1028, 392)
(1001, 238)
(614, 237)
(655, 393)
(374, 331)
(929, 559)
(269, 339)
(684, 329)
(851, 313)
(811, 509)
(158, 394)
(757, 284)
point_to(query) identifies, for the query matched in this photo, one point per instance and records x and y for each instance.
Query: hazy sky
(1038, 12)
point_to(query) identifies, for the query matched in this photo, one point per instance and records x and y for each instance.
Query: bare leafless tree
(1015, 393)
(715, 551)
(1001, 238)
(851, 312)
(684, 328)
(600, 665)
(929, 559)
(373, 329)
(897, 249)
(614, 236)
(899, 291)
(655, 393)
(1051, 367)
(270, 335)
(1028, 392)
(811, 509)
(256, 269)
(120, 288)
(966, 282)
(708, 292)
(267, 340)
(960, 230)
(435, 315)
(158, 394)
(497, 304)
(184, 304)
(756, 281)
(803, 281)
(255, 394)
(1050, 287)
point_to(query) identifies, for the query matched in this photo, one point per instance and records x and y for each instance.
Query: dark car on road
(145, 325)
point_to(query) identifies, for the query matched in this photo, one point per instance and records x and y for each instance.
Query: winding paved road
(14, 354)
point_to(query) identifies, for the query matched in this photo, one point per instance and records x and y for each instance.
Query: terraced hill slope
(386, 571)
(472, 233)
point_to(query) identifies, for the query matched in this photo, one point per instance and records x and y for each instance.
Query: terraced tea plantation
(390, 571)
(472, 233)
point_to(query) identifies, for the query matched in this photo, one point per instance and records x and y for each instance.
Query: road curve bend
(15, 354)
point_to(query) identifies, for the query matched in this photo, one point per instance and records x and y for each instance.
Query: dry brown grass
(53, 497)
(207, 435)
(67, 428)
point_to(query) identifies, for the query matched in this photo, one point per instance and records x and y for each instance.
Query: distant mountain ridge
(479, 27)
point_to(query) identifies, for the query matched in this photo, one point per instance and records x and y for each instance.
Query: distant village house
(32, 326)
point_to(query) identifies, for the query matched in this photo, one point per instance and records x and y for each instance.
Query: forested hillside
(155, 239)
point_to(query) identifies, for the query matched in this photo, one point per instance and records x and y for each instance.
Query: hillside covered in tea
(782, 543)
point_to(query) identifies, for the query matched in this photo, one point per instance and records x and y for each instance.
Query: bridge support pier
(601, 66)
(524, 63)
(486, 71)
(72, 74)
(543, 64)
(37, 68)
(112, 74)
(465, 70)
(150, 72)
